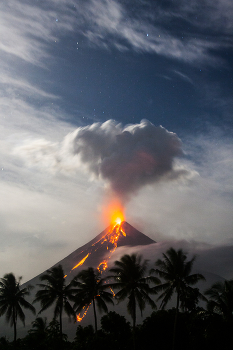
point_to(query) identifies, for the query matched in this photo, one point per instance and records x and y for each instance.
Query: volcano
(98, 251)
(96, 254)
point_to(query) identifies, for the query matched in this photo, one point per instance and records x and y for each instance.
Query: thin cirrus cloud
(111, 23)
(183, 76)
(28, 30)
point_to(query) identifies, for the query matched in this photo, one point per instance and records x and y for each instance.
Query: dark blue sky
(97, 80)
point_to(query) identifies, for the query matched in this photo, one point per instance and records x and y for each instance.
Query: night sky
(99, 68)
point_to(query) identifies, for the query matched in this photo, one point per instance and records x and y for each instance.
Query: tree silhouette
(221, 299)
(91, 289)
(117, 330)
(190, 299)
(175, 270)
(129, 276)
(12, 299)
(39, 327)
(55, 291)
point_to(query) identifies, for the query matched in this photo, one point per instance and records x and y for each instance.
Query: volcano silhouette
(102, 247)
(91, 255)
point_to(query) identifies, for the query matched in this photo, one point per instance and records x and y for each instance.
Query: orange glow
(112, 292)
(81, 262)
(102, 266)
(114, 212)
(109, 241)
(79, 317)
(112, 236)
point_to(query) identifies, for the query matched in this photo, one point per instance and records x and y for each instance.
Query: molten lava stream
(112, 236)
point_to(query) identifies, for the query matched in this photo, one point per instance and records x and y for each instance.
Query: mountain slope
(92, 254)
(101, 247)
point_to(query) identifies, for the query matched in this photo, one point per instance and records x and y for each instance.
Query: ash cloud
(126, 158)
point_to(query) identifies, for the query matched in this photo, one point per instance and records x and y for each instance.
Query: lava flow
(112, 236)
(109, 241)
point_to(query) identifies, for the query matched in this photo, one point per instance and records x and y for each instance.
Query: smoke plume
(126, 158)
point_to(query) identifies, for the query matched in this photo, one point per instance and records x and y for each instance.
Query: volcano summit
(97, 252)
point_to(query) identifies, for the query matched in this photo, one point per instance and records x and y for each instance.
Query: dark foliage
(91, 289)
(117, 330)
(56, 291)
(12, 300)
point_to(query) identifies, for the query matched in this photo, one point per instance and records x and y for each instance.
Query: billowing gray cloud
(126, 158)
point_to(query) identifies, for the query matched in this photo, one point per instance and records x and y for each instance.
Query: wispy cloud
(110, 23)
(26, 29)
(183, 76)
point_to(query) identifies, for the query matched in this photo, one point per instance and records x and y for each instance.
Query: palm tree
(175, 270)
(55, 291)
(190, 299)
(129, 275)
(12, 299)
(221, 299)
(39, 326)
(91, 290)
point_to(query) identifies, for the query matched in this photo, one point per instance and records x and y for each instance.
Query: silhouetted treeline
(186, 326)
(195, 331)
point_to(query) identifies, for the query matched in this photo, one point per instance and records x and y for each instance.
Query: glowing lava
(110, 241)
(85, 309)
(81, 262)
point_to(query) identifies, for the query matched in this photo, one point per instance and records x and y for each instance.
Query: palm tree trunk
(134, 327)
(176, 317)
(95, 315)
(60, 319)
(134, 324)
(14, 323)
